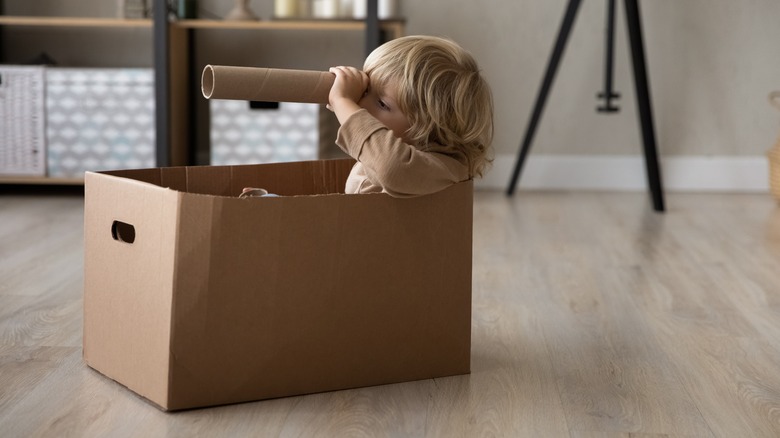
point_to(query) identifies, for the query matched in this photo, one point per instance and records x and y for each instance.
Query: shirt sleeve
(399, 168)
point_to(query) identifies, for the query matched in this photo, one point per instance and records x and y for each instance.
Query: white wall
(711, 65)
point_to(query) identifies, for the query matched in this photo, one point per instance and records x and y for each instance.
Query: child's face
(383, 105)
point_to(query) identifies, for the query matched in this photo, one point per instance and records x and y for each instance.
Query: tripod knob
(608, 106)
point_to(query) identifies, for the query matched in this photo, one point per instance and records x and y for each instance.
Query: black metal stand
(633, 22)
(2, 52)
(373, 33)
(609, 55)
(162, 103)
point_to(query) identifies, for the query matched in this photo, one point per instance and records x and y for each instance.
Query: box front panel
(306, 294)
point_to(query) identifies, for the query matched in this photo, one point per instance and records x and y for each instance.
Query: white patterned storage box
(99, 119)
(240, 135)
(22, 121)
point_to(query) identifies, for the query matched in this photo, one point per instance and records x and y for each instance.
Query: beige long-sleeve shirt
(386, 164)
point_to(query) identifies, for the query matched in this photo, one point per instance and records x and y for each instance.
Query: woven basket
(22, 121)
(774, 155)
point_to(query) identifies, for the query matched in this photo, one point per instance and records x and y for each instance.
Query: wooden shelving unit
(64, 22)
(172, 66)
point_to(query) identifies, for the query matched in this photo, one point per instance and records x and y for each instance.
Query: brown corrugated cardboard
(212, 299)
(266, 84)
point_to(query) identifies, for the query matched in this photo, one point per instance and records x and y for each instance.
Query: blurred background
(711, 63)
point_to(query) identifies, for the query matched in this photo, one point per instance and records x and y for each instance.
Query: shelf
(8, 20)
(41, 180)
(345, 25)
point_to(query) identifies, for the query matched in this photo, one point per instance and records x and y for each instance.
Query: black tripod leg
(634, 22)
(609, 57)
(544, 90)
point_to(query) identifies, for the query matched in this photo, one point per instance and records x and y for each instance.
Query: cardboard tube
(266, 84)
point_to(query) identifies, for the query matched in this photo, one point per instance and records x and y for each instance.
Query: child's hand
(350, 84)
(346, 92)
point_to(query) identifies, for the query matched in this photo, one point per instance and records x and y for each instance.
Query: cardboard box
(211, 299)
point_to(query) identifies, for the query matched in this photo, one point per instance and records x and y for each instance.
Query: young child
(418, 118)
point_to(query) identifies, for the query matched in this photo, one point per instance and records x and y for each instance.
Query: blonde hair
(442, 94)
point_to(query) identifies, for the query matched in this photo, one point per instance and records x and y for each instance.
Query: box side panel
(288, 179)
(129, 231)
(151, 176)
(171, 177)
(285, 179)
(306, 294)
(303, 178)
(174, 178)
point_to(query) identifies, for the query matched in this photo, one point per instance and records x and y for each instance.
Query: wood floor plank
(613, 373)
(734, 382)
(396, 410)
(592, 316)
(24, 368)
(511, 371)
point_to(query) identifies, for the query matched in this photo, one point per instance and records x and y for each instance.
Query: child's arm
(399, 168)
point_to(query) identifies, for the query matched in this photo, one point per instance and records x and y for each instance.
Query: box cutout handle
(123, 232)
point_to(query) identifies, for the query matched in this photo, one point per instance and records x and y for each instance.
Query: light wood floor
(592, 317)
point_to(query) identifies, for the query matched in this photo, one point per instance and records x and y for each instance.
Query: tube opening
(207, 81)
